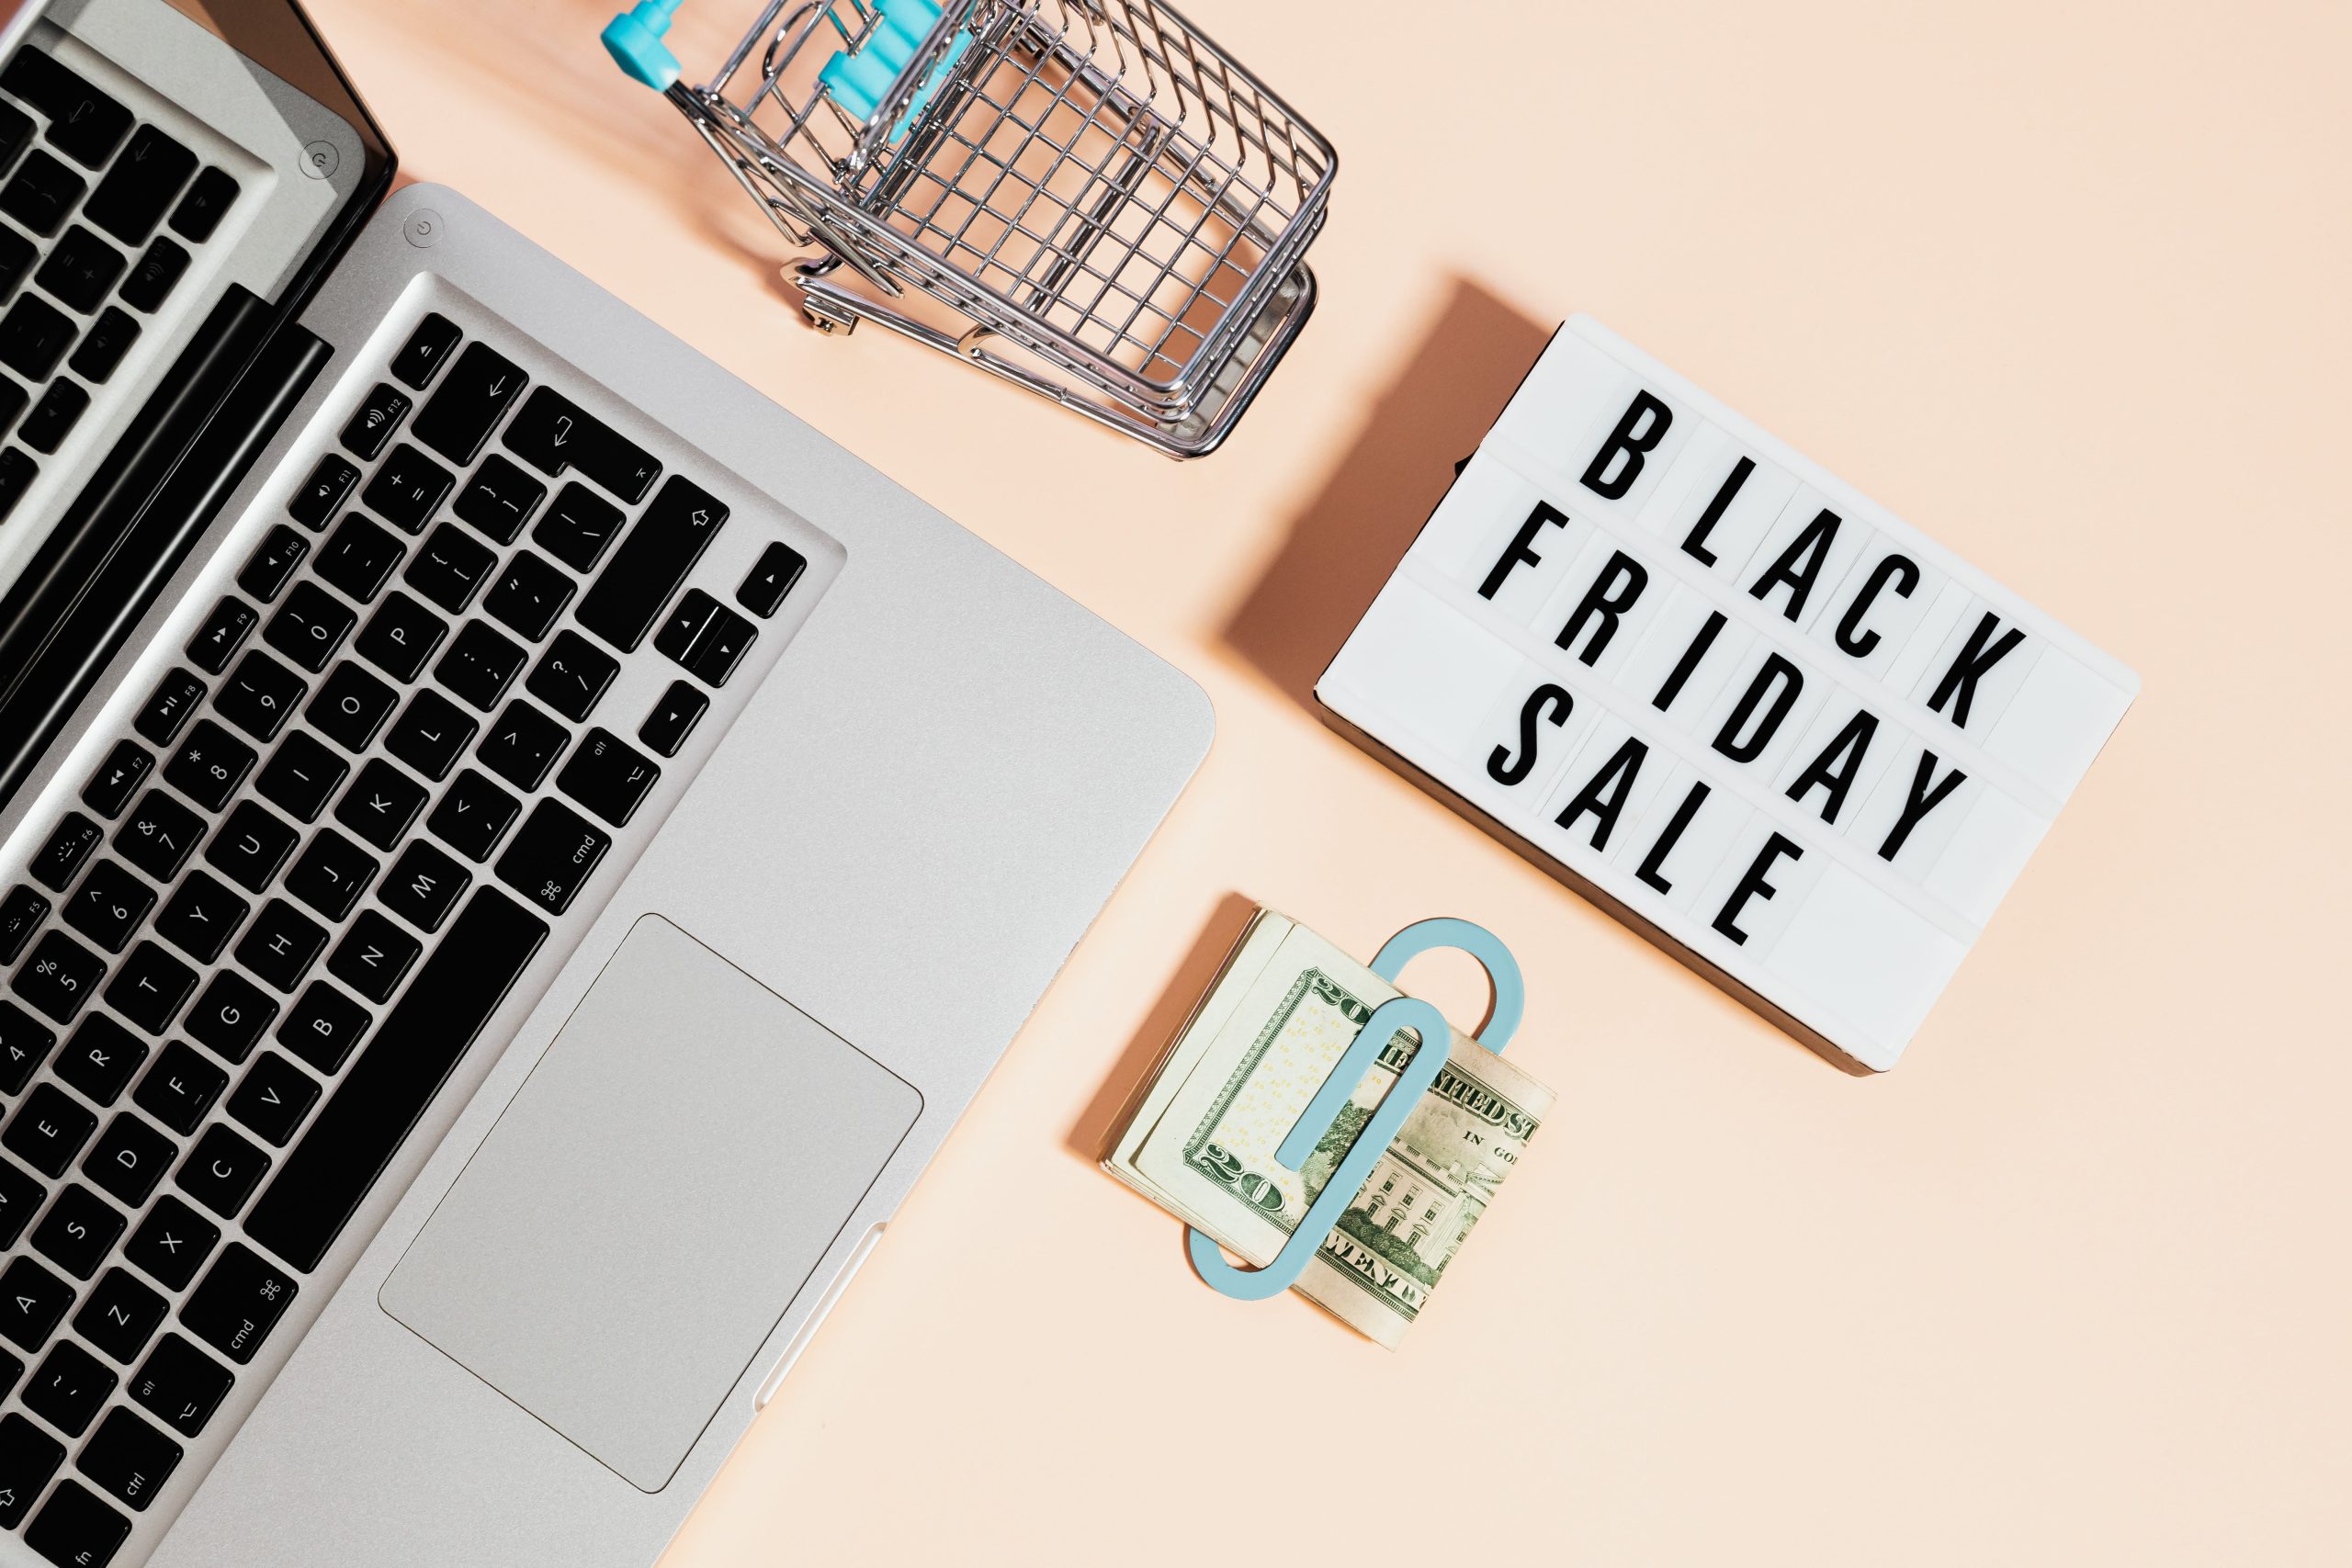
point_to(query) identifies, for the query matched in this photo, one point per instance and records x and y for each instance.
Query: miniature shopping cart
(1106, 207)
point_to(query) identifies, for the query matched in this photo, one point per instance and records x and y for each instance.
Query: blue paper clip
(1437, 1042)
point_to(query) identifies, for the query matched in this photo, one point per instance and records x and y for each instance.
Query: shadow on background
(1089, 1138)
(1342, 548)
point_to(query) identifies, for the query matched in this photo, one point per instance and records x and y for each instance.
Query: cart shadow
(1342, 547)
(1090, 1135)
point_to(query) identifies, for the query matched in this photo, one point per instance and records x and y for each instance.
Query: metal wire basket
(1090, 183)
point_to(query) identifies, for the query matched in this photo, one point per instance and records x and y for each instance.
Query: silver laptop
(514, 849)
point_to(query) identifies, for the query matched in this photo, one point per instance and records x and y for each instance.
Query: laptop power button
(864, 1250)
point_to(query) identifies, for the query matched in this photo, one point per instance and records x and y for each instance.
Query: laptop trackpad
(643, 1212)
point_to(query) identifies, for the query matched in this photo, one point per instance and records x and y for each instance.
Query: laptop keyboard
(328, 841)
(101, 214)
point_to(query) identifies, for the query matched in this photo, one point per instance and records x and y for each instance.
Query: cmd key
(553, 433)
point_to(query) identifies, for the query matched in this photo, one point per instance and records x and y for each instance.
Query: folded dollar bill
(1200, 1137)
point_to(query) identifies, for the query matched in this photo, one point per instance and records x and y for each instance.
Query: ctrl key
(238, 1303)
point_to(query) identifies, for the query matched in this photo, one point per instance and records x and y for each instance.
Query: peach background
(2066, 286)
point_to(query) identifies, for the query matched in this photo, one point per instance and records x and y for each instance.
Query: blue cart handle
(634, 41)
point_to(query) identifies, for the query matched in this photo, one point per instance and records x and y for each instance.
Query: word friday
(1698, 674)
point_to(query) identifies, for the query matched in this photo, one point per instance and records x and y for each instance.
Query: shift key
(652, 564)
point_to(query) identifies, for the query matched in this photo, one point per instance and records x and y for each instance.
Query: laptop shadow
(1437, 406)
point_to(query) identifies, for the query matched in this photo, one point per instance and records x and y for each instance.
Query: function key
(408, 488)
(224, 631)
(159, 835)
(311, 626)
(152, 279)
(21, 913)
(13, 400)
(127, 1458)
(28, 1457)
(553, 856)
(359, 556)
(83, 123)
(76, 1527)
(181, 1384)
(206, 203)
(420, 358)
(282, 551)
(499, 498)
(34, 336)
(239, 1303)
(674, 717)
(779, 568)
(150, 987)
(174, 698)
(18, 473)
(103, 346)
(302, 778)
(209, 769)
(53, 418)
(652, 564)
(55, 863)
(83, 266)
(463, 412)
(609, 777)
(231, 1016)
(555, 435)
(118, 777)
(109, 906)
(579, 527)
(140, 188)
(327, 489)
(379, 416)
(571, 675)
(473, 816)
(170, 1244)
(43, 192)
(259, 695)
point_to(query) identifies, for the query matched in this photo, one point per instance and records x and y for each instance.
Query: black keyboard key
(25, 1045)
(21, 913)
(359, 556)
(773, 575)
(579, 528)
(222, 1171)
(609, 777)
(281, 945)
(420, 358)
(224, 631)
(179, 1088)
(241, 1300)
(309, 627)
(59, 976)
(351, 707)
(206, 203)
(34, 336)
(28, 1457)
(127, 1161)
(109, 905)
(388, 1087)
(101, 1059)
(323, 1027)
(181, 1384)
(13, 400)
(83, 267)
(281, 552)
(32, 1302)
(523, 745)
(273, 1098)
(432, 734)
(150, 987)
(111, 787)
(379, 416)
(156, 274)
(380, 803)
(652, 564)
(408, 488)
(260, 695)
(231, 1015)
(499, 498)
(75, 1528)
(16, 135)
(61, 856)
(20, 1199)
(473, 816)
(705, 636)
(554, 435)
(374, 956)
(16, 253)
(424, 886)
(553, 856)
(331, 874)
(127, 1458)
(83, 122)
(68, 1388)
(78, 1232)
(174, 698)
(159, 835)
(53, 418)
(103, 346)
(42, 192)
(302, 778)
(251, 845)
(172, 1243)
(211, 765)
(529, 595)
(18, 473)
(401, 637)
(324, 493)
(571, 675)
(468, 405)
(480, 664)
(449, 569)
